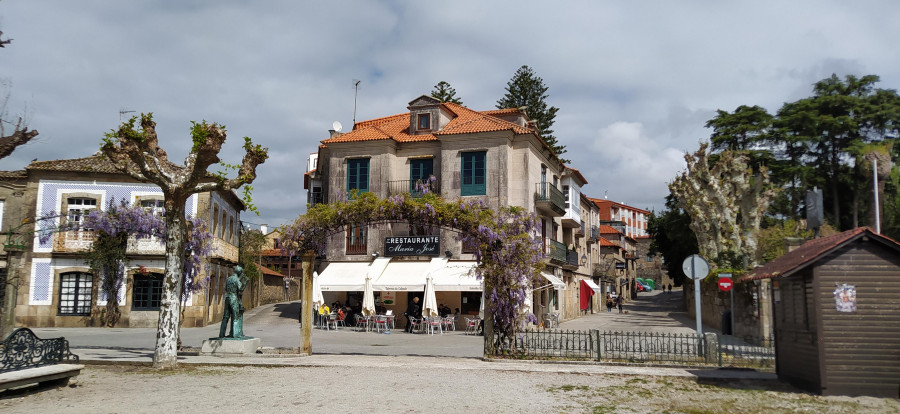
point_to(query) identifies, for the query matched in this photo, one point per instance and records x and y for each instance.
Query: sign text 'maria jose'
(412, 246)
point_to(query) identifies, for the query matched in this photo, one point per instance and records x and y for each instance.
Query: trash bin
(726, 323)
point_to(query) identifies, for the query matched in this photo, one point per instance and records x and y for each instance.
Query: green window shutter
(473, 174)
(419, 171)
(358, 175)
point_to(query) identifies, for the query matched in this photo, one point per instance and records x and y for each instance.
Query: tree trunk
(166, 354)
(306, 319)
(8, 321)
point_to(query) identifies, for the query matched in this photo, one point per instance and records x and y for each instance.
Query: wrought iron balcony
(571, 260)
(557, 252)
(415, 188)
(316, 198)
(549, 200)
(579, 231)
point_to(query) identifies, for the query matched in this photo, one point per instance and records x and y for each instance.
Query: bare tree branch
(20, 136)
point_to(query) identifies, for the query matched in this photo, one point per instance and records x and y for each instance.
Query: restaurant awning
(555, 281)
(457, 277)
(592, 285)
(350, 276)
(403, 276)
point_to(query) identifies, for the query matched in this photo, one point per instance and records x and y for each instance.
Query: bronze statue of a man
(234, 309)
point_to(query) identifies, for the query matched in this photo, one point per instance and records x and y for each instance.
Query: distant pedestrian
(670, 288)
(609, 302)
(619, 301)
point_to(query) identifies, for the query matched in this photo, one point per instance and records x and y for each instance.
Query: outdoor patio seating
(382, 323)
(472, 326)
(415, 324)
(434, 324)
(331, 321)
(449, 323)
(362, 322)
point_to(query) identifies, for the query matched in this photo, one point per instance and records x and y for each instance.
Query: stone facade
(54, 189)
(516, 162)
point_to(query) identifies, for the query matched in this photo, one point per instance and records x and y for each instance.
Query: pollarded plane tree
(726, 202)
(136, 152)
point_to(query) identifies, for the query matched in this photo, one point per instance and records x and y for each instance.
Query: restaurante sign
(412, 246)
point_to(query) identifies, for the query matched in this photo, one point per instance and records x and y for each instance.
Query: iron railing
(557, 252)
(571, 258)
(547, 192)
(415, 188)
(316, 198)
(647, 347)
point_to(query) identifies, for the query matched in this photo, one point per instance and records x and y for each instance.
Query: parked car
(643, 287)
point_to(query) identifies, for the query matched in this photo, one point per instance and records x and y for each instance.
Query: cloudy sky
(635, 81)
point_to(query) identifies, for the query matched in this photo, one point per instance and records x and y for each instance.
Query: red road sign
(725, 284)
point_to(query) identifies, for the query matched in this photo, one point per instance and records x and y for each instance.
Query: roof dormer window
(424, 122)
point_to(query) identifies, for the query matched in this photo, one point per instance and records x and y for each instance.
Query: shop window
(147, 291)
(75, 293)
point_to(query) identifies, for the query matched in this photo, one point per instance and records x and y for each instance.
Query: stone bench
(26, 359)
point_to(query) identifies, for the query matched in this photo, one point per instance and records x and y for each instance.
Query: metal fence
(647, 347)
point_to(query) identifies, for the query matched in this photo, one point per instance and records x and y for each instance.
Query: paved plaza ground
(278, 327)
(371, 372)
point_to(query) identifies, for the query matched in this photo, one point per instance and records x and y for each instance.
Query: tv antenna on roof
(356, 83)
(123, 111)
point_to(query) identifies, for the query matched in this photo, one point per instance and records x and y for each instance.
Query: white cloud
(647, 75)
(633, 167)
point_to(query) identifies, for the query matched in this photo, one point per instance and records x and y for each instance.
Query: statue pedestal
(223, 346)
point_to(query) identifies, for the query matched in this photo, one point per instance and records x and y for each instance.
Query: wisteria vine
(509, 249)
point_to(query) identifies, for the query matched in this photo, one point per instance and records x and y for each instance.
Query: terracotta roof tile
(96, 164)
(396, 127)
(578, 174)
(604, 203)
(606, 243)
(267, 271)
(811, 251)
(607, 229)
(13, 174)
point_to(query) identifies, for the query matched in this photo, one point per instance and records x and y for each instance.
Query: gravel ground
(353, 389)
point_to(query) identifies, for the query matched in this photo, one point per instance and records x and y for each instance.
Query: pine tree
(527, 89)
(445, 93)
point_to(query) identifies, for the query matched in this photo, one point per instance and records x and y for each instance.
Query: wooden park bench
(26, 360)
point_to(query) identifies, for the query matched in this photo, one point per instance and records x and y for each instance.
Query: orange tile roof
(272, 252)
(396, 127)
(607, 229)
(602, 202)
(578, 174)
(606, 243)
(267, 271)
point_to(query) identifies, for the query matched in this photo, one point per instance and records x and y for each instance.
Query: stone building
(494, 156)
(56, 288)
